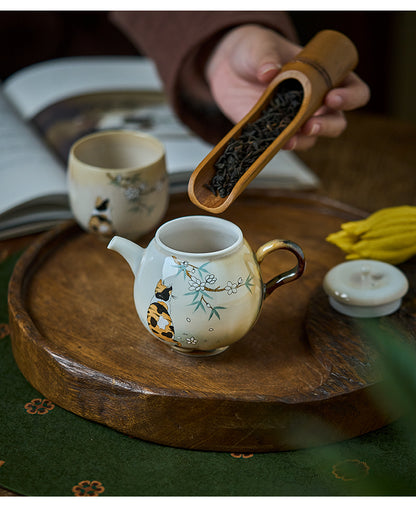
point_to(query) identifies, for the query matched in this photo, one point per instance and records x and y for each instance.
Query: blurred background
(386, 41)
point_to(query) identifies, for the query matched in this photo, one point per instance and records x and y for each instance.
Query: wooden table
(370, 166)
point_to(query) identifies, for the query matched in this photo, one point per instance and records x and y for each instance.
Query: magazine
(46, 107)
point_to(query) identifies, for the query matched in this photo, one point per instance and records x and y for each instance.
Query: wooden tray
(78, 340)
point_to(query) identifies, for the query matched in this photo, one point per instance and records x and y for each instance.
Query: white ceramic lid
(365, 287)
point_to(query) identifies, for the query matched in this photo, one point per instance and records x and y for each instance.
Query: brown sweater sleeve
(177, 41)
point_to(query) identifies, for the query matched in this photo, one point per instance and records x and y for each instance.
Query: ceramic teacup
(118, 183)
(198, 285)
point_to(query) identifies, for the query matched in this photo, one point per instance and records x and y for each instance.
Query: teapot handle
(287, 276)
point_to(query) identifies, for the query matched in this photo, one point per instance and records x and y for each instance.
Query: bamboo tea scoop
(322, 65)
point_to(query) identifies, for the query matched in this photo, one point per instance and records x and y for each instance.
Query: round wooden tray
(78, 340)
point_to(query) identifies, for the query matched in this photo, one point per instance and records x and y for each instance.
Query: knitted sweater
(179, 43)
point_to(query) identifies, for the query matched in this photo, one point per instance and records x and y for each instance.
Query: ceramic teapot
(198, 286)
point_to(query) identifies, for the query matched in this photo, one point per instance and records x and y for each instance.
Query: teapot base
(190, 352)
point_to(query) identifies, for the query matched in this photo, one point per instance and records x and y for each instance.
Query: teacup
(198, 286)
(118, 183)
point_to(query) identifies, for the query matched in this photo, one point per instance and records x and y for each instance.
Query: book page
(28, 170)
(39, 86)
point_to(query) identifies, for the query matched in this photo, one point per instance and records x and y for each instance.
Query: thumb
(267, 70)
(255, 53)
(271, 52)
(265, 58)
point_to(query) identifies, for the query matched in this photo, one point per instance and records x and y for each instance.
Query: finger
(291, 143)
(300, 143)
(254, 53)
(353, 93)
(331, 124)
(321, 110)
(268, 52)
(266, 59)
(267, 71)
(304, 143)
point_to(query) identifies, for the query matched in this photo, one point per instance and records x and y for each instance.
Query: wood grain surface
(77, 338)
(370, 166)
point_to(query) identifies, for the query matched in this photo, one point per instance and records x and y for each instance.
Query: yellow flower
(387, 235)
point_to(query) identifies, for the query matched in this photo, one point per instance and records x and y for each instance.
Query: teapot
(198, 286)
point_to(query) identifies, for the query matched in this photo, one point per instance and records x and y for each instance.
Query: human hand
(245, 61)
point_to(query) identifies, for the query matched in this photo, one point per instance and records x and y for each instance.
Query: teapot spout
(131, 252)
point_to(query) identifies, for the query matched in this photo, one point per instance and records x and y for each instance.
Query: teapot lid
(365, 288)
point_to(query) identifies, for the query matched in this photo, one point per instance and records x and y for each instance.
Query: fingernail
(291, 144)
(267, 68)
(315, 130)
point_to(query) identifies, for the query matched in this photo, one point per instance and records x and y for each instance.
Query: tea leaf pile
(254, 139)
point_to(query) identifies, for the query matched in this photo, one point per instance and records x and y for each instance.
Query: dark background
(386, 41)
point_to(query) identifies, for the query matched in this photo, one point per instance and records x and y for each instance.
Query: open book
(46, 107)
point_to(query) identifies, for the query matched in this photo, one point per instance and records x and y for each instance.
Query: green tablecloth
(48, 451)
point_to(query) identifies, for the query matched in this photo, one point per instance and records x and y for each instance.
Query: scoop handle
(331, 53)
